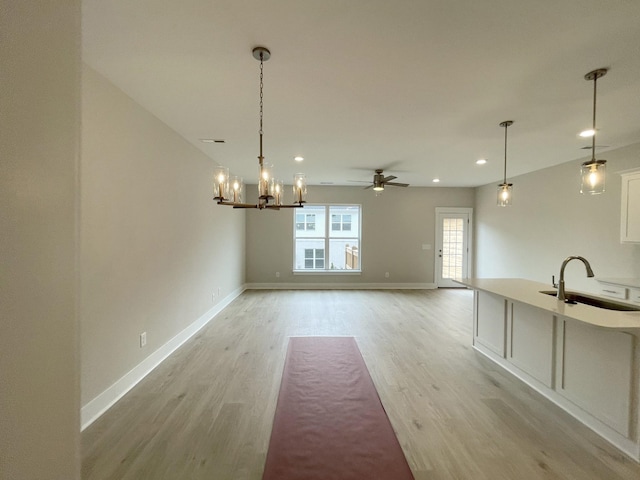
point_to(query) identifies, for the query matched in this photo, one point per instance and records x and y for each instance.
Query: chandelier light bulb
(220, 183)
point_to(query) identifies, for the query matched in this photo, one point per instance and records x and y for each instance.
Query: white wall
(154, 246)
(39, 147)
(394, 227)
(550, 220)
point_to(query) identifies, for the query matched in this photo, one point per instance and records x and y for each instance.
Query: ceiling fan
(380, 181)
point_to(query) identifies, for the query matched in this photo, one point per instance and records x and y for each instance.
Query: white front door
(453, 245)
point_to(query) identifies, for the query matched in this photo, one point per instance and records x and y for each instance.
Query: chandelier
(229, 190)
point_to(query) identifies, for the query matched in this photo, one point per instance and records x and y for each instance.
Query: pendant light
(505, 190)
(228, 190)
(593, 171)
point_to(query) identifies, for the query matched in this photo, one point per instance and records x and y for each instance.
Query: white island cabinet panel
(585, 359)
(596, 372)
(531, 341)
(491, 321)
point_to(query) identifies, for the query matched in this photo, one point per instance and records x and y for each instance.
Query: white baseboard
(340, 286)
(100, 404)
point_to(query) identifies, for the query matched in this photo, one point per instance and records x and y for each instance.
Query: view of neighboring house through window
(340, 222)
(327, 238)
(305, 221)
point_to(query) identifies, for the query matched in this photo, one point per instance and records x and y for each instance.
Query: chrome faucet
(561, 294)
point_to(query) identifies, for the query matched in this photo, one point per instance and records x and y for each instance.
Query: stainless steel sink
(575, 297)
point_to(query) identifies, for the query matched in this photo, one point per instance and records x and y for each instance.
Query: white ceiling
(418, 86)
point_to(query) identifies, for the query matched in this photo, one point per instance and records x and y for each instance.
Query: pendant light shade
(505, 190)
(505, 193)
(593, 176)
(593, 172)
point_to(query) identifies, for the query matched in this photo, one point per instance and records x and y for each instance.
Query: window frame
(326, 239)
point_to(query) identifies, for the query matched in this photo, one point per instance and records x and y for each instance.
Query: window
(327, 239)
(305, 221)
(314, 258)
(341, 222)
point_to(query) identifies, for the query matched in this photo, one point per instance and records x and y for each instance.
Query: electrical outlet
(386, 274)
(277, 274)
(143, 339)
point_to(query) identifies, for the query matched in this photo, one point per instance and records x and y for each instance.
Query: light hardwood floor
(206, 412)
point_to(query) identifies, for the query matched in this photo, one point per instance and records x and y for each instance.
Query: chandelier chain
(261, 86)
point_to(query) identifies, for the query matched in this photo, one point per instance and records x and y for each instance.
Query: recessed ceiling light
(298, 158)
(481, 161)
(587, 133)
(436, 180)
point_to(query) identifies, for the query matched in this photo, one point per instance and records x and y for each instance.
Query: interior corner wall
(550, 220)
(395, 225)
(154, 247)
(39, 151)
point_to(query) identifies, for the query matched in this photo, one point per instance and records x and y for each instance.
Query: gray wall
(39, 148)
(550, 220)
(154, 246)
(394, 227)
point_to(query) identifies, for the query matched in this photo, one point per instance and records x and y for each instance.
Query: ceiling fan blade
(395, 184)
(391, 165)
(370, 186)
(359, 181)
(389, 178)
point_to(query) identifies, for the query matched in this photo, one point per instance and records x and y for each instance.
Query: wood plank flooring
(206, 412)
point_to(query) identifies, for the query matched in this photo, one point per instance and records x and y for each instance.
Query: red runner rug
(329, 422)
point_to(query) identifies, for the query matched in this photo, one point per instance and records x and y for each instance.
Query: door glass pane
(452, 248)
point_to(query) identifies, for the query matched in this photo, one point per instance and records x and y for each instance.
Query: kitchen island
(583, 358)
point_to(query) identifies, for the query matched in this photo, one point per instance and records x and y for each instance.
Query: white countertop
(528, 291)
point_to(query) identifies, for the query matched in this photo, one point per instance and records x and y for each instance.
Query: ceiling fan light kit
(593, 172)
(229, 190)
(379, 181)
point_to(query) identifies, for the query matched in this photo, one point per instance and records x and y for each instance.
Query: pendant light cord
(593, 138)
(506, 126)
